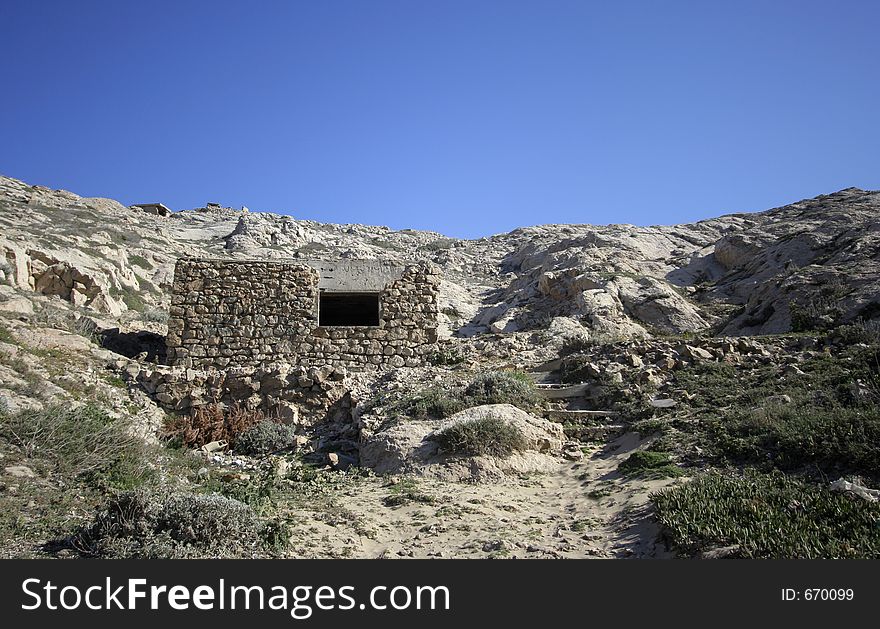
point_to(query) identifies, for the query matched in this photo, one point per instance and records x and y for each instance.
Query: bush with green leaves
(440, 244)
(141, 261)
(650, 464)
(265, 437)
(432, 403)
(494, 387)
(576, 345)
(502, 387)
(446, 357)
(767, 516)
(488, 435)
(859, 331)
(822, 310)
(790, 437)
(146, 524)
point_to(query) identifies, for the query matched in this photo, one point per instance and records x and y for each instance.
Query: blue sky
(466, 117)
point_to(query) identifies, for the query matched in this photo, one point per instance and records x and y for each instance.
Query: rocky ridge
(738, 274)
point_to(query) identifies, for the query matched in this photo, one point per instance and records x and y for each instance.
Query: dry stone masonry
(359, 314)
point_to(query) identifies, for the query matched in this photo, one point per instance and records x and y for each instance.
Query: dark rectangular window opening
(348, 309)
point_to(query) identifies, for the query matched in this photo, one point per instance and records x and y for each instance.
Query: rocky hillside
(808, 263)
(582, 370)
(94, 264)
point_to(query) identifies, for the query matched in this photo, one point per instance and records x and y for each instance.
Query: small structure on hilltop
(358, 314)
(153, 208)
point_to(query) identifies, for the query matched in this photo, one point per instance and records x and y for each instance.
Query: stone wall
(296, 395)
(318, 401)
(241, 313)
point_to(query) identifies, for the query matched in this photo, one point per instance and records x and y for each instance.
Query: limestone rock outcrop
(810, 263)
(407, 446)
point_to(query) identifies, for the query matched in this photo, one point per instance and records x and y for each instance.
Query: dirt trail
(582, 509)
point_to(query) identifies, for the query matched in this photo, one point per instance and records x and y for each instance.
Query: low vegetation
(486, 435)
(502, 387)
(141, 261)
(407, 491)
(151, 501)
(76, 322)
(145, 524)
(821, 311)
(776, 434)
(79, 441)
(446, 357)
(767, 515)
(496, 387)
(154, 315)
(265, 437)
(650, 464)
(835, 440)
(212, 422)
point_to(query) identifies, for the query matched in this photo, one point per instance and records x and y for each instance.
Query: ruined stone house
(357, 314)
(158, 209)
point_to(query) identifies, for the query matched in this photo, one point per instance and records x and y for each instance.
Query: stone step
(576, 416)
(593, 433)
(563, 391)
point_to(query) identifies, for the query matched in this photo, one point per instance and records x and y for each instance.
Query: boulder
(697, 353)
(17, 305)
(50, 338)
(407, 447)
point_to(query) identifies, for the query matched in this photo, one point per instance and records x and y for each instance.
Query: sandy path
(582, 509)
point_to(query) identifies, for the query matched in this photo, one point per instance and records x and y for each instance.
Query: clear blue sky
(466, 117)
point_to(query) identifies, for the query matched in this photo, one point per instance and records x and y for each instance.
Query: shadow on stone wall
(143, 345)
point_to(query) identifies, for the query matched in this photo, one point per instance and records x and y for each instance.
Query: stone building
(357, 314)
(153, 208)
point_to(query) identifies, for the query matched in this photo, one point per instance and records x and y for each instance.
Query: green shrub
(202, 520)
(446, 357)
(767, 516)
(407, 491)
(440, 244)
(576, 345)
(265, 437)
(433, 403)
(148, 524)
(129, 470)
(6, 336)
(134, 301)
(837, 438)
(131, 299)
(502, 387)
(650, 464)
(647, 427)
(857, 332)
(486, 435)
(827, 380)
